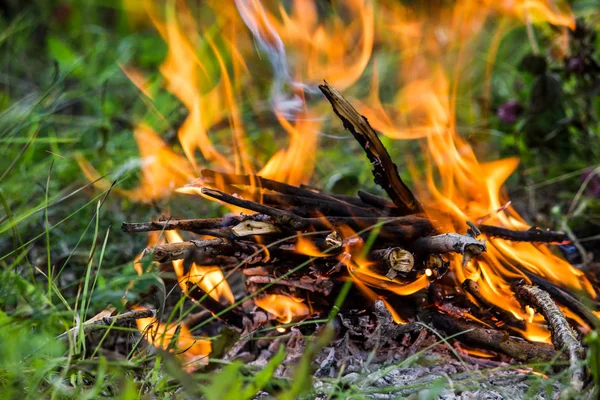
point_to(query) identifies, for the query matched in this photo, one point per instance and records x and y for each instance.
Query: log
(532, 235)
(563, 336)
(474, 335)
(384, 169)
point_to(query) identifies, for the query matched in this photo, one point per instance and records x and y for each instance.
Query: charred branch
(279, 216)
(475, 335)
(503, 316)
(384, 169)
(322, 285)
(190, 225)
(563, 336)
(532, 235)
(231, 316)
(378, 202)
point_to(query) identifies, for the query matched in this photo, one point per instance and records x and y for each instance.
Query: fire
(176, 338)
(458, 188)
(213, 66)
(285, 308)
(208, 278)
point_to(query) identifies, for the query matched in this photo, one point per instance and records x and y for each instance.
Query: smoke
(269, 42)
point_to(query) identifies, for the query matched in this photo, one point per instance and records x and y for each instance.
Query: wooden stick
(378, 202)
(502, 315)
(563, 336)
(449, 243)
(565, 298)
(106, 322)
(384, 170)
(532, 235)
(318, 206)
(192, 249)
(264, 183)
(279, 216)
(190, 225)
(475, 335)
(231, 317)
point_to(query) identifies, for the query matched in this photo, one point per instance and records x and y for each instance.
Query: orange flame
(285, 308)
(193, 351)
(211, 68)
(458, 187)
(208, 278)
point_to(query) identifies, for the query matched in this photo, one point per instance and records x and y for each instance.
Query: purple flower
(593, 187)
(576, 64)
(509, 112)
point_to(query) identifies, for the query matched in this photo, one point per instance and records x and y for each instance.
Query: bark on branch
(492, 339)
(563, 336)
(384, 169)
(532, 235)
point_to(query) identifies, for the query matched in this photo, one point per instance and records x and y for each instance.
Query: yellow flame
(208, 278)
(285, 308)
(192, 350)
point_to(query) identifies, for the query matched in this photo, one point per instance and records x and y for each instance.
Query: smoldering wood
(386, 328)
(563, 336)
(501, 315)
(532, 235)
(384, 170)
(475, 335)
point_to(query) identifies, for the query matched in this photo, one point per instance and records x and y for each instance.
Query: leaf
(66, 57)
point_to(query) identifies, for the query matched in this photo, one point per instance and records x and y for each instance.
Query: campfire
(451, 253)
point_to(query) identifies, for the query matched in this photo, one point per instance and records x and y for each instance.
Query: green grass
(63, 257)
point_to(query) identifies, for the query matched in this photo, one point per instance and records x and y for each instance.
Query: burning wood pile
(297, 247)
